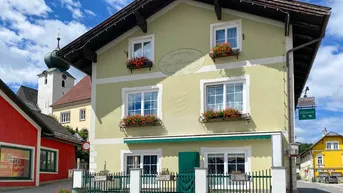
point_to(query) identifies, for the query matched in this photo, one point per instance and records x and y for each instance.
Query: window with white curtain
(142, 46)
(227, 32)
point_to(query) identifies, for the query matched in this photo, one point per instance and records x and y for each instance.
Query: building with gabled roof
(34, 147)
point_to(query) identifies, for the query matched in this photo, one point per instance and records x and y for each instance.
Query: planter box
(240, 118)
(165, 177)
(233, 53)
(146, 65)
(141, 125)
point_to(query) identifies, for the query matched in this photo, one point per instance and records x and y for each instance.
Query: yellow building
(324, 158)
(74, 108)
(179, 81)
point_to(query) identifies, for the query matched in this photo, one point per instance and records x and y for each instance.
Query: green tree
(80, 153)
(304, 146)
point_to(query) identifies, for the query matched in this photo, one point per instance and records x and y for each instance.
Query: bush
(62, 190)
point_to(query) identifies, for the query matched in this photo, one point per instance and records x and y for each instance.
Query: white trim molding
(142, 39)
(57, 159)
(225, 25)
(322, 156)
(32, 161)
(193, 3)
(208, 68)
(332, 145)
(126, 91)
(93, 103)
(125, 153)
(245, 79)
(277, 150)
(246, 150)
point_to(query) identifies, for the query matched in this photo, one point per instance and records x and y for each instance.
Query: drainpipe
(291, 105)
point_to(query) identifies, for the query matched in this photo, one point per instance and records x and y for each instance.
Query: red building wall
(15, 129)
(66, 159)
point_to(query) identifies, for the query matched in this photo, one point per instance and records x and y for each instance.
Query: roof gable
(80, 92)
(29, 97)
(309, 22)
(330, 134)
(46, 124)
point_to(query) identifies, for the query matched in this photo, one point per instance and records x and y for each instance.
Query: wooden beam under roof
(141, 22)
(218, 9)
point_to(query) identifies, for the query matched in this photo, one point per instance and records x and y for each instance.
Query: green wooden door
(188, 161)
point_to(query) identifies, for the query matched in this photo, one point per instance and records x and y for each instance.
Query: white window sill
(48, 172)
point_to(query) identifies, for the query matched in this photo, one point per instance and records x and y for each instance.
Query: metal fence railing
(252, 182)
(171, 183)
(110, 183)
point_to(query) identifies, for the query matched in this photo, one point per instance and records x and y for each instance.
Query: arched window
(46, 80)
(63, 83)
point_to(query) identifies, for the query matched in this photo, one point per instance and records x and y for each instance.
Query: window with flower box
(227, 32)
(142, 101)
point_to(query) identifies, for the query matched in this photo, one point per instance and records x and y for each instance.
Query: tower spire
(58, 39)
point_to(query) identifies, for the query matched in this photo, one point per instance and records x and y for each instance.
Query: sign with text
(307, 114)
(306, 102)
(14, 162)
(181, 62)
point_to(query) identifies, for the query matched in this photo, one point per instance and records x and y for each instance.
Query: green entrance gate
(186, 177)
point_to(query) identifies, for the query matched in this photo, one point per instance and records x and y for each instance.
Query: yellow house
(324, 158)
(180, 82)
(74, 108)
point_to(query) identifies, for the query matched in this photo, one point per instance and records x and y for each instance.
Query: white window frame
(230, 80)
(332, 145)
(33, 162)
(246, 150)
(80, 115)
(142, 39)
(125, 153)
(57, 159)
(225, 25)
(127, 91)
(322, 156)
(64, 113)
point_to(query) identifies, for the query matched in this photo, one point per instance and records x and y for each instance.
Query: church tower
(54, 82)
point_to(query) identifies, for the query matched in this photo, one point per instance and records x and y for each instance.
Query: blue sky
(28, 30)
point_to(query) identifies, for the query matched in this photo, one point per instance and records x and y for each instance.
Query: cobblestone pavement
(308, 187)
(46, 188)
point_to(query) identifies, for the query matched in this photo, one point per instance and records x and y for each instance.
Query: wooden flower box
(156, 123)
(240, 118)
(233, 53)
(147, 64)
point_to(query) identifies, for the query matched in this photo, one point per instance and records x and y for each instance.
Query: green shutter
(188, 161)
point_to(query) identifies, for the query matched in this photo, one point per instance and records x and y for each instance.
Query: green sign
(307, 114)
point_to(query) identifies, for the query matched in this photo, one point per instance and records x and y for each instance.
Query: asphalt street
(305, 187)
(45, 188)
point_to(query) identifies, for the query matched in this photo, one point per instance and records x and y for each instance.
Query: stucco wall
(75, 121)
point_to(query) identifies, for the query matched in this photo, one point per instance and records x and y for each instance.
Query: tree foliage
(80, 153)
(304, 146)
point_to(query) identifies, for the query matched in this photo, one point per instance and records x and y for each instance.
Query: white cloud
(89, 12)
(23, 43)
(116, 5)
(325, 80)
(74, 7)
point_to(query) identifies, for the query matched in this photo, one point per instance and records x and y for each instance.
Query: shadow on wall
(179, 67)
(311, 190)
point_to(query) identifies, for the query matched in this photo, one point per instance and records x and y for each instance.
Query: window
(63, 83)
(229, 32)
(224, 94)
(45, 80)
(15, 163)
(320, 161)
(227, 160)
(142, 46)
(82, 114)
(65, 117)
(142, 101)
(333, 145)
(48, 160)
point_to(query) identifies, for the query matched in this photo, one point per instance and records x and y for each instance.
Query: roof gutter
(291, 99)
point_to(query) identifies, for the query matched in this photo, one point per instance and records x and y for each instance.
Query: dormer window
(142, 46)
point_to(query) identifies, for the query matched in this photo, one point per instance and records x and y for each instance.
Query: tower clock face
(64, 76)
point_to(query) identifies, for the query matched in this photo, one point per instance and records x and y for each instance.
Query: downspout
(291, 105)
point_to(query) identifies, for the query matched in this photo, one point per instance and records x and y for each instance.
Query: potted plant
(223, 50)
(225, 114)
(139, 120)
(165, 175)
(139, 62)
